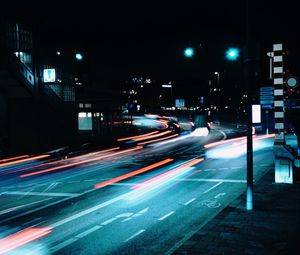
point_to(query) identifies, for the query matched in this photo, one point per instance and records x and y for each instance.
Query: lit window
(82, 114)
(88, 105)
(89, 114)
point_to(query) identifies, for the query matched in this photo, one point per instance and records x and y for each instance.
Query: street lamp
(78, 56)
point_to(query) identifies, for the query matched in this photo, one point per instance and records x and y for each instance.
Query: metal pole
(249, 77)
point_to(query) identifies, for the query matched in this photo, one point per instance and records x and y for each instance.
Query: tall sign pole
(249, 72)
(278, 94)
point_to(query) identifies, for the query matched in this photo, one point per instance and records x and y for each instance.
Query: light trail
(131, 174)
(13, 158)
(25, 160)
(62, 160)
(209, 145)
(137, 136)
(157, 140)
(80, 162)
(22, 237)
(167, 174)
(153, 136)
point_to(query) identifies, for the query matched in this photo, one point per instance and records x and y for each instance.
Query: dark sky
(127, 38)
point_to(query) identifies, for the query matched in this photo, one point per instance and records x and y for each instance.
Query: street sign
(267, 97)
(49, 75)
(292, 82)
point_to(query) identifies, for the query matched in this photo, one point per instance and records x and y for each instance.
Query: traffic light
(189, 52)
(232, 54)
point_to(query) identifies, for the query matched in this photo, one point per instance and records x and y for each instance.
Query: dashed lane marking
(166, 216)
(41, 194)
(212, 187)
(135, 235)
(190, 201)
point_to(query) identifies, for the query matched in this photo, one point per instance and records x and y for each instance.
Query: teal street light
(189, 52)
(232, 54)
(78, 56)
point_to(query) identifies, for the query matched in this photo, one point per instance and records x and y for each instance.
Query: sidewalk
(272, 227)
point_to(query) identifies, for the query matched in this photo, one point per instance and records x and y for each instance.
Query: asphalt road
(147, 199)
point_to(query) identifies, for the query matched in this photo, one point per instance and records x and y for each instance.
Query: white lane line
(190, 201)
(211, 180)
(51, 186)
(108, 221)
(236, 167)
(210, 169)
(166, 216)
(85, 233)
(20, 206)
(42, 194)
(136, 234)
(62, 245)
(87, 211)
(216, 185)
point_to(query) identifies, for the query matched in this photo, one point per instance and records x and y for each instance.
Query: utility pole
(249, 73)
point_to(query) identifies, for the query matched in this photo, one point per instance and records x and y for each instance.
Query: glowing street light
(232, 54)
(78, 56)
(189, 52)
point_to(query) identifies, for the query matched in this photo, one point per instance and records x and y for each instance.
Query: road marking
(136, 234)
(220, 194)
(212, 187)
(108, 221)
(87, 211)
(62, 245)
(140, 213)
(20, 206)
(212, 180)
(85, 233)
(210, 169)
(236, 167)
(42, 194)
(166, 216)
(51, 186)
(190, 201)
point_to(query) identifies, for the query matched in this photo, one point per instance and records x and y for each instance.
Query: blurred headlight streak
(162, 179)
(14, 158)
(156, 140)
(25, 160)
(80, 162)
(238, 149)
(22, 237)
(137, 136)
(131, 174)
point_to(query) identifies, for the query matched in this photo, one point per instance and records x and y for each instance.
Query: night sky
(122, 39)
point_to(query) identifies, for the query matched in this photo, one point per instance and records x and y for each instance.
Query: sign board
(292, 82)
(49, 75)
(256, 113)
(179, 102)
(267, 97)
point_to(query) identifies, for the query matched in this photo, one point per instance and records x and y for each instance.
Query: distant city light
(232, 54)
(58, 53)
(78, 56)
(189, 52)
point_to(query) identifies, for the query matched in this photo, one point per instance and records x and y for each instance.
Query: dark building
(44, 92)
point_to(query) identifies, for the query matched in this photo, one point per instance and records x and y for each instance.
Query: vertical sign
(278, 94)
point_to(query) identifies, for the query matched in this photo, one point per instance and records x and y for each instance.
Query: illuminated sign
(179, 102)
(166, 86)
(256, 113)
(49, 75)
